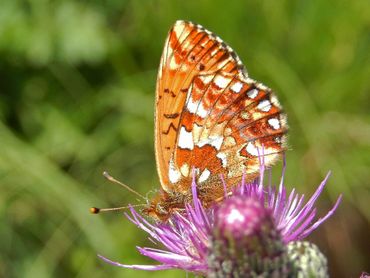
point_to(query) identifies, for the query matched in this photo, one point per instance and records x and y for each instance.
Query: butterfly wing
(209, 114)
(189, 50)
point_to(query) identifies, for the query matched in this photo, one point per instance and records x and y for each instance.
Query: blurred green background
(77, 82)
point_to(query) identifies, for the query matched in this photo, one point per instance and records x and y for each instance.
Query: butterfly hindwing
(225, 123)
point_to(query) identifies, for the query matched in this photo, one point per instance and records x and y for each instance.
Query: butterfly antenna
(95, 210)
(111, 179)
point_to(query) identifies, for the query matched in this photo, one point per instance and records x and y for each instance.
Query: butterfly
(211, 119)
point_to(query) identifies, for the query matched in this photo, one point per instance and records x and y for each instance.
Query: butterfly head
(158, 208)
(157, 212)
(164, 204)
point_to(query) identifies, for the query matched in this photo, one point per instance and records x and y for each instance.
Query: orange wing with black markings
(189, 51)
(211, 117)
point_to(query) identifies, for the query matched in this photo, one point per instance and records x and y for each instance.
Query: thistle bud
(307, 259)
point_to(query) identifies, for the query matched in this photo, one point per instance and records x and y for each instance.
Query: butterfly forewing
(189, 50)
(210, 116)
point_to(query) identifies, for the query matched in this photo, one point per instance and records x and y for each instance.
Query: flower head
(255, 220)
(245, 240)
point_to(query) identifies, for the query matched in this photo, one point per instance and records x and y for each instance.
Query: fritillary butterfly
(210, 117)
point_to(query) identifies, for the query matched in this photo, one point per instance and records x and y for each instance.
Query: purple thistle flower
(245, 242)
(187, 237)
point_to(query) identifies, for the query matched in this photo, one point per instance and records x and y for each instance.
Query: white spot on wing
(206, 79)
(179, 27)
(244, 115)
(185, 139)
(201, 112)
(204, 176)
(173, 64)
(215, 141)
(223, 158)
(214, 51)
(236, 87)
(274, 123)
(251, 149)
(173, 174)
(196, 107)
(190, 105)
(252, 93)
(185, 170)
(264, 105)
(221, 81)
